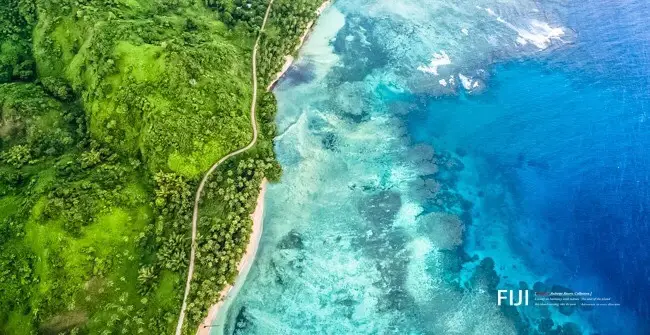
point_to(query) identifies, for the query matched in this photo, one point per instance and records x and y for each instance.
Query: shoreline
(243, 267)
(217, 313)
(303, 38)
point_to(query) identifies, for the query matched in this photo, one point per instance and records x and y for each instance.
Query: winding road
(199, 191)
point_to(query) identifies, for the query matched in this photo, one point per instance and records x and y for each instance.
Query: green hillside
(110, 112)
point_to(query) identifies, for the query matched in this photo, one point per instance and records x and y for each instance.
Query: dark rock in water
(521, 324)
(242, 322)
(393, 270)
(569, 328)
(401, 107)
(485, 276)
(447, 162)
(387, 246)
(423, 156)
(359, 49)
(396, 298)
(330, 142)
(465, 204)
(296, 266)
(352, 102)
(358, 117)
(293, 240)
(367, 188)
(380, 209)
(540, 287)
(545, 325)
(466, 217)
(425, 189)
(347, 302)
(421, 152)
(452, 261)
(564, 309)
(301, 72)
(447, 201)
(523, 285)
(276, 271)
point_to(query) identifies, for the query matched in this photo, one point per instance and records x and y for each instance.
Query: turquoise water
(434, 152)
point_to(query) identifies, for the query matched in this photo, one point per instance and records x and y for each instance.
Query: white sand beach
(244, 266)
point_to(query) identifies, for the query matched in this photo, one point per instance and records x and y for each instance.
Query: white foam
(439, 59)
(408, 215)
(465, 81)
(419, 282)
(521, 40)
(420, 247)
(443, 82)
(465, 31)
(539, 33)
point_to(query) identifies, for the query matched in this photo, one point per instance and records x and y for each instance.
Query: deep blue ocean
(521, 151)
(567, 133)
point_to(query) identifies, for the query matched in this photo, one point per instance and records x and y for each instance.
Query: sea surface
(437, 151)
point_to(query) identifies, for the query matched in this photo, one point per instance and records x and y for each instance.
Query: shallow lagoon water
(432, 151)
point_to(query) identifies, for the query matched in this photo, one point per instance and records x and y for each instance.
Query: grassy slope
(168, 82)
(52, 262)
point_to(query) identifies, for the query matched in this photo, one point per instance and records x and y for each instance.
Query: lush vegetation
(110, 111)
(288, 22)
